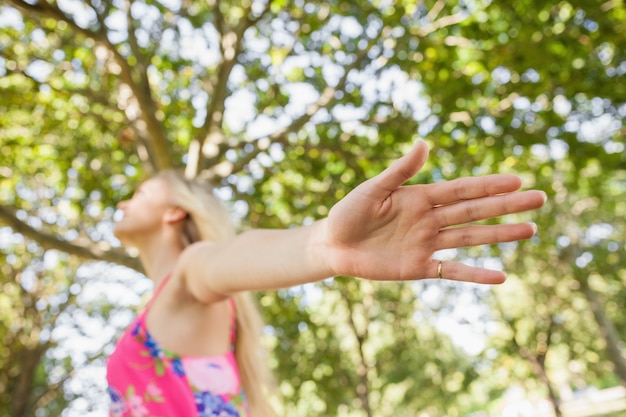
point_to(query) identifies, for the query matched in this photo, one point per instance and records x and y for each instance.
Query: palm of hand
(383, 240)
(385, 231)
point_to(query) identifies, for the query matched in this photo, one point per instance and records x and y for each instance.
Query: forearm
(257, 260)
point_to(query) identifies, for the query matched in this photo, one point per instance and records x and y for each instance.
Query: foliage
(285, 106)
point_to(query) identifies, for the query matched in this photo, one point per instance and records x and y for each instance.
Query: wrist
(320, 250)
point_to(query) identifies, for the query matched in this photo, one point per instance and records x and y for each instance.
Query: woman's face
(143, 214)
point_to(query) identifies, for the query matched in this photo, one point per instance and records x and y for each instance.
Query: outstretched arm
(381, 230)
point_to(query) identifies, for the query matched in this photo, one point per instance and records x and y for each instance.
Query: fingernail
(534, 226)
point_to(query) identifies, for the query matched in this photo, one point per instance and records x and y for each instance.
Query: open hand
(383, 230)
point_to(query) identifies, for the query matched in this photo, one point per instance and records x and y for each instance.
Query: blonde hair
(209, 220)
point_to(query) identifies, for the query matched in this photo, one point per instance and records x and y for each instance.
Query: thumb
(404, 168)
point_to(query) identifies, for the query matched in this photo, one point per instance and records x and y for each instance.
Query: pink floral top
(146, 380)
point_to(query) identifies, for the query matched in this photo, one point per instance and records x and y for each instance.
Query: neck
(159, 258)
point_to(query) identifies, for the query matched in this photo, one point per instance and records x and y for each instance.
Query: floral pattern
(159, 356)
(136, 406)
(118, 405)
(148, 381)
(215, 374)
(210, 405)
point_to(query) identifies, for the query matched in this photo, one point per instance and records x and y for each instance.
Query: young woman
(194, 350)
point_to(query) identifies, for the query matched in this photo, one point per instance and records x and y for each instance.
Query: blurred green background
(285, 106)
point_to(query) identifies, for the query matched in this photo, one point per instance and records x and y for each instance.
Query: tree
(285, 106)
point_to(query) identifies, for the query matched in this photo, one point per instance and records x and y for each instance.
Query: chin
(125, 236)
(118, 232)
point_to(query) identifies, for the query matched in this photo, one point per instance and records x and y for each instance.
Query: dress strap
(157, 291)
(161, 285)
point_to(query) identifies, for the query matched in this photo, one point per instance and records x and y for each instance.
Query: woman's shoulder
(193, 272)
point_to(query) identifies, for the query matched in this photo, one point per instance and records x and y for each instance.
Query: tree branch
(154, 131)
(48, 241)
(363, 389)
(231, 43)
(442, 22)
(327, 98)
(49, 10)
(211, 133)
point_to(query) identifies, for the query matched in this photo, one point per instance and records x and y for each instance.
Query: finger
(403, 169)
(484, 235)
(489, 207)
(457, 271)
(471, 187)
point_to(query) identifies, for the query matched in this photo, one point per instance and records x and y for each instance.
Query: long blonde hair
(209, 220)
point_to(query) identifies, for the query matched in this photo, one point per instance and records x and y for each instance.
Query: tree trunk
(21, 392)
(536, 359)
(537, 363)
(362, 388)
(614, 345)
(540, 370)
